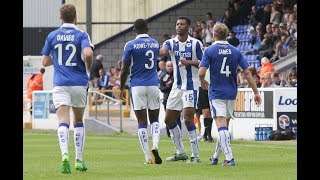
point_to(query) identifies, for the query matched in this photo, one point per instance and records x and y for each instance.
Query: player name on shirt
(182, 54)
(224, 51)
(145, 45)
(65, 37)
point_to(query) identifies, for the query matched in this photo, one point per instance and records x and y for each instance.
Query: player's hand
(257, 99)
(122, 97)
(183, 62)
(204, 84)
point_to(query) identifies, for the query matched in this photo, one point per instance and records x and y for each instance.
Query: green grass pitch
(119, 156)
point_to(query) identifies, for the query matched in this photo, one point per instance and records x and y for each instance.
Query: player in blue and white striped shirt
(72, 55)
(186, 53)
(141, 54)
(223, 60)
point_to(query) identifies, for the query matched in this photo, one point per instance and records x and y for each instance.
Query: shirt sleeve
(127, 52)
(47, 48)
(205, 61)
(199, 47)
(86, 42)
(166, 45)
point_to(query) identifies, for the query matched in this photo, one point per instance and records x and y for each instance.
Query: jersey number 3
(150, 59)
(227, 72)
(68, 47)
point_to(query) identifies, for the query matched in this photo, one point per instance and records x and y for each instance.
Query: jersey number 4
(227, 72)
(150, 59)
(68, 47)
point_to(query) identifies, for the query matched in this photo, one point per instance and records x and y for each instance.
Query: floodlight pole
(89, 18)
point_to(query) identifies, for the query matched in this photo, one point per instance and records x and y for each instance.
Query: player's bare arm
(46, 61)
(163, 51)
(202, 74)
(88, 54)
(248, 76)
(123, 77)
(192, 63)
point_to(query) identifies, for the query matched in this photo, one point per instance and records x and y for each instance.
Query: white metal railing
(108, 107)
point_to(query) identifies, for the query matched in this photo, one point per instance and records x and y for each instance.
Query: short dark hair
(140, 24)
(42, 70)
(203, 22)
(166, 36)
(209, 14)
(185, 18)
(276, 74)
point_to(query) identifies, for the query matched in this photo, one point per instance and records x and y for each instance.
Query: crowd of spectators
(261, 29)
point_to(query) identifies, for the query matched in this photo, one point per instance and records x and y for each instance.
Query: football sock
(175, 134)
(79, 138)
(63, 137)
(193, 140)
(143, 137)
(207, 126)
(179, 121)
(218, 149)
(155, 132)
(224, 138)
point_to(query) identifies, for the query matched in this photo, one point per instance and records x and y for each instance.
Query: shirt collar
(177, 40)
(220, 42)
(69, 25)
(142, 35)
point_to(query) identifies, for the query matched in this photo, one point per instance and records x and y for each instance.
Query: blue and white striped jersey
(223, 60)
(143, 53)
(65, 45)
(185, 77)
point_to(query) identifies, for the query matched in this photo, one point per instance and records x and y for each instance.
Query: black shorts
(203, 102)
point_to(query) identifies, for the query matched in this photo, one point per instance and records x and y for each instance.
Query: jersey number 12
(224, 66)
(67, 48)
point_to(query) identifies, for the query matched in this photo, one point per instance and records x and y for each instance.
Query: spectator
(267, 49)
(266, 80)
(227, 18)
(241, 80)
(255, 41)
(283, 29)
(116, 84)
(276, 33)
(197, 34)
(206, 33)
(277, 80)
(292, 79)
(209, 20)
(165, 37)
(279, 52)
(161, 65)
(104, 82)
(255, 15)
(266, 66)
(232, 39)
(275, 17)
(266, 16)
(35, 82)
(256, 78)
(94, 72)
